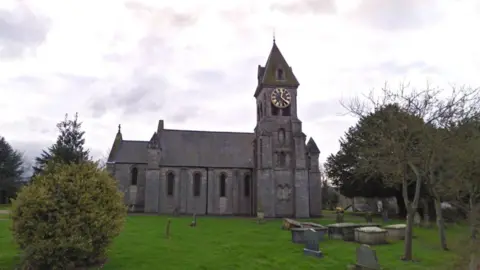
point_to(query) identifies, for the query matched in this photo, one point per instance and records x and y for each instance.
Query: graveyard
(242, 243)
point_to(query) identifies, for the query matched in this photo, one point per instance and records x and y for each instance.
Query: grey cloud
(398, 15)
(393, 67)
(208, 76)
(167, 16)
(78, 80)
(21, 31)
(307, 6)
(26, 79)
(183, 114)
(145, 95)
(318, 110)
(35, 125)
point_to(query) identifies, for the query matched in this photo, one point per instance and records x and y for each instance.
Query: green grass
(4, 206)
(236, 243)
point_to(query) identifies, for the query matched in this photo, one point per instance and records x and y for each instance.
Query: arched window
(280, 75)
(282, 159)
(246, 186)
(134, 176)
(223, 185)
(197, 181)
(281, 136)
(170, 183)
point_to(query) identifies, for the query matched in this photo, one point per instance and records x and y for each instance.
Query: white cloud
(194, 63)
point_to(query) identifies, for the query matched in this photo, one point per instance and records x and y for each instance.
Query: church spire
(276, 72)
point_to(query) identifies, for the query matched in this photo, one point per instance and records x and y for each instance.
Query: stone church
(272, 169)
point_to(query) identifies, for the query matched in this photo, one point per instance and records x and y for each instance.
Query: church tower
(282, 188)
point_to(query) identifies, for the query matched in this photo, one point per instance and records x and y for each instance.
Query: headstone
(417, 219)
(385, 215)
(367, 258)
(167, 229)
(175, 211)
(312, 243)
(339, 218)
(368, 218)
(194, 221)
(260, 217)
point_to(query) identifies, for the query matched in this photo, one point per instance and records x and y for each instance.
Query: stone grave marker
(167, 228)
(260, 217)
(175, 211)
(366, 258)
(194, 221)
(385, 215)
(339, 218)
(417, 219)
(368, 217)
(312, 244)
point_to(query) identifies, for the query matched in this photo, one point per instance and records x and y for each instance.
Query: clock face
(281, 98)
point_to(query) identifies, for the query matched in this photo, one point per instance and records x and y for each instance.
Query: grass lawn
(236, 243)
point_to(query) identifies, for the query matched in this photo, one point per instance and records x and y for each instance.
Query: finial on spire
(274, 36)
(119, 128)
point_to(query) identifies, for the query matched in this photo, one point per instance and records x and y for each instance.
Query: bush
(67, 217)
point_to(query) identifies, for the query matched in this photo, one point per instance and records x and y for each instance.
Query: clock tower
(281, 173)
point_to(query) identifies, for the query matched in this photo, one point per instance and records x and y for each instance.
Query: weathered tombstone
(366, 258)
(312, 244)
(194, 221)
(417, 219)
(167, 229)
(368, 217)
(385, 215)
(260, 217)
(175, 211)
(339, 218)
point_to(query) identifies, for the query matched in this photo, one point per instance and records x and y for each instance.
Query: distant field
(240, 243)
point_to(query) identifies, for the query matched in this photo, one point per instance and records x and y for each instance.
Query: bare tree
(404, 144)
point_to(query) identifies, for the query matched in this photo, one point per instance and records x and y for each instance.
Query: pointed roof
(312, 147)
(116, 144)
(267, 76)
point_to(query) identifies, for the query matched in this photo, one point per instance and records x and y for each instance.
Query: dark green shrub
(67, 217)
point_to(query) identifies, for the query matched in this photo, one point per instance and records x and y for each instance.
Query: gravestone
(385, 215)
(417, 219)
(260, 217)
(167, 229)
(368, 218)
(312, 243)
(194, 221)
(339, 218)
(175, 212)
(366, 258)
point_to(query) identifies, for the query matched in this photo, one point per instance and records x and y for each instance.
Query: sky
(193, 63)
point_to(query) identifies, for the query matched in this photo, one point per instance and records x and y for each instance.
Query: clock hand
(281, 96)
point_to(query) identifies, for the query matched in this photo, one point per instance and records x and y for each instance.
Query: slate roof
(194, 149)
(267, 75)
(312, 147)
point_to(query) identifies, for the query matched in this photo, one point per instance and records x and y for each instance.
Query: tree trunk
(408, 245)
(402, 210)
(411, 210)
(440, 223)
(426, 213)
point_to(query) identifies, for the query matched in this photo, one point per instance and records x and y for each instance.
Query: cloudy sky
(194, 63)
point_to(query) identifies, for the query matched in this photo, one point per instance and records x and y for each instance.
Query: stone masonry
(272, 169)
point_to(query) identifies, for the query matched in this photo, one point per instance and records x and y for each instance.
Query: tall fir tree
(11, 169)
(69, 147)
